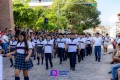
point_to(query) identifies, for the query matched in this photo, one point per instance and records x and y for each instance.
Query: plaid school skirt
(21, 64)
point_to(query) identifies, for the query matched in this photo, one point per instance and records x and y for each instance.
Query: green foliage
(78, 17)
(74, 17)
(24, 16)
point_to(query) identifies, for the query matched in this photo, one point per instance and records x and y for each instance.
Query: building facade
(6, 15)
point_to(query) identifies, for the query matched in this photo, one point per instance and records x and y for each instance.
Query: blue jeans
(5, 46)
(114, 70)
(97, 52)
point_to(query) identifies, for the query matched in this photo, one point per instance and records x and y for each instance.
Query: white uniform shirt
(35, 41)
(88, 40)
(61, 43)
(82, 43)
(4, 37)
(33, 44)
(97, 41)
(48, 46)
(13, 44)
(21, 47)
(72, 45)
(106, 40)
(40, 43)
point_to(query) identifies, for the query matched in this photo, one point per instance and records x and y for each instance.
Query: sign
(56, 73)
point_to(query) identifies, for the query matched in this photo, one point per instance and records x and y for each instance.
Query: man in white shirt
(5, 42)
(97, 41)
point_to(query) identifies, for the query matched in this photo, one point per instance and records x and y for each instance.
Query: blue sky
(109, 10)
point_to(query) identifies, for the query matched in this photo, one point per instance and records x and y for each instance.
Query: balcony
(45, 3)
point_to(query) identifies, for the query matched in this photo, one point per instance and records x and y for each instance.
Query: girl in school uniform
(23, 53)
(40, 44)
(12, 47)
(48, 50)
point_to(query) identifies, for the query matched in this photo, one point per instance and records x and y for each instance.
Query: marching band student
(61, 48)
(22, 60)
(97, 41)
(72, 46)
(88, 44)
(106, 42)
(82, 45)
(48, 51)
(40, 44)
(12, 47)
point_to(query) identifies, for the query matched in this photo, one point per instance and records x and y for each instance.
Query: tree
(24, 16)
(78, 17)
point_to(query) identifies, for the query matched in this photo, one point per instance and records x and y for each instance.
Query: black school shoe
(73, 69)
(46, 68)
(109, 72)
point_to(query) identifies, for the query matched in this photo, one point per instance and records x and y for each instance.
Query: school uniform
(106, 41)
(97, 44)
(12, 45)
(40, 45)
(61, 49)
(48, 50)
(20, 62)
(66, 52)
(72, 51)
(88, 46)
(35, 41)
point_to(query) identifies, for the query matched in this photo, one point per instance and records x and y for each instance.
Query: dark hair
(118, 44)
(25, 40)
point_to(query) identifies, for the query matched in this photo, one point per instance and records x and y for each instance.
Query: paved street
(88, 69)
